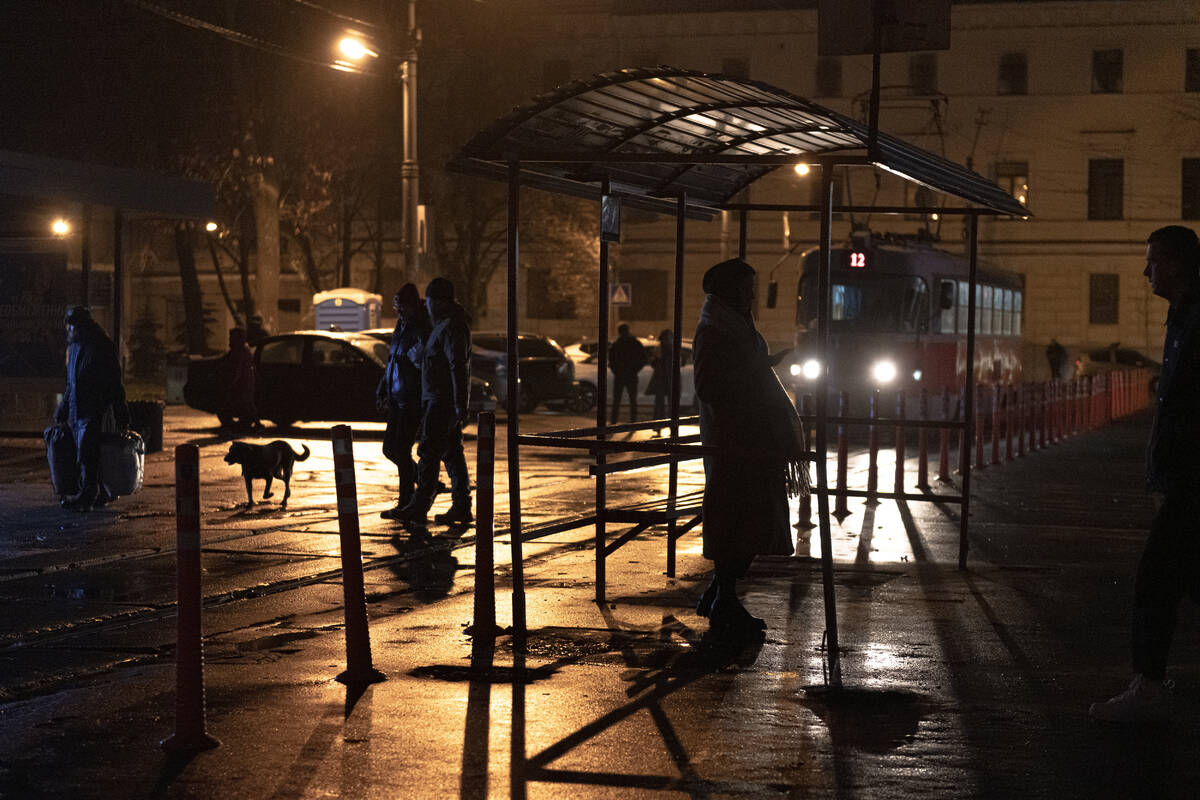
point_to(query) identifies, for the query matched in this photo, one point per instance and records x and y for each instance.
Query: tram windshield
(879, 304)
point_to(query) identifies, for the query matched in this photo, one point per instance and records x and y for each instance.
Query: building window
(649, 295)
(543, 303)
(1107, 69)
(1103, 298)
(829, 77)
(1106, 188)
(922, 73)
(555, 72)
(1191, 72)
(1013, 176)
(1013, 74)
(1191, 189)
(736, 68)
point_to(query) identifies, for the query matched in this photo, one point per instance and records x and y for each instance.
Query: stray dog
(269, 461)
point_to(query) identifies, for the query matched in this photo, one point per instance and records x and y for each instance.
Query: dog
(269, 461)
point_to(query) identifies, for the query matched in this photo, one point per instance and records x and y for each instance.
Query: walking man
(399, 392)
(92, 402)
(626, 357)
(445, 391)
(1170, 565)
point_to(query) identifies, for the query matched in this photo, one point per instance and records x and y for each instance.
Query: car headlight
(884, 371)
(917, 374)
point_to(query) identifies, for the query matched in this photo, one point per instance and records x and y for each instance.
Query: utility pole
(409, 178)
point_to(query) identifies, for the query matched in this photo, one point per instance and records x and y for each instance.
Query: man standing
(626, 357)
(399, 392)
(1170, 565)
(238, 383)
(92, 402)
(445, 390)
(1056, 357)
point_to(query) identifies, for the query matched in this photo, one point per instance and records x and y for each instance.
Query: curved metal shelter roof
(658, 132)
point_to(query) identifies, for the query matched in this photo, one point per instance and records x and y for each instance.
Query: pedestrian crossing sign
(621, 294)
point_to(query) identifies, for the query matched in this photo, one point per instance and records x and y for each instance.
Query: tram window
(915, 312)
(997, 311)
(1008, 312)
(961, 314)
(947, 296)
(985, 310)
(1017, 313)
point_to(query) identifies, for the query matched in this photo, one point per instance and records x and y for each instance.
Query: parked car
(311, 375)
(1114, 357)
(584, 355)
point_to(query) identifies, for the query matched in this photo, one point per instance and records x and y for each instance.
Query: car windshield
(531, 346)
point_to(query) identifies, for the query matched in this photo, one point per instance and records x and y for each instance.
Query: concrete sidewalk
(958, 684)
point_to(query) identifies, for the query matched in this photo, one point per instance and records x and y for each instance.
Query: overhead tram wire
(335, 14)
(235, 36)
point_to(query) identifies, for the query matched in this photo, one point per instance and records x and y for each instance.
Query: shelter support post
(85, 257)
(118, 281)
(601, 406)
(823, 291)
(672, 373)
(969, 387)
(512, 404)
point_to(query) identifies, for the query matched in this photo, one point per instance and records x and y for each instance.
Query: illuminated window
(961, 311)
(829, 77)
(736, 68)
(985, 310)
(1107, 71)
(1013, 74)
(1191, 71)
(1190, 205)
(1106, 188)
(922, 73)
(946, 324)
(1007, 326)
(1013, 176)
(1017, 313)
(1103, 298)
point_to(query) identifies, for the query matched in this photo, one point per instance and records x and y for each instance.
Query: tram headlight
(810, 369)
(917, 375)
(883, 371)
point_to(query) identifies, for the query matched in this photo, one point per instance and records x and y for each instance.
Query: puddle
(456, 674)
(869, 720)
(276, 640)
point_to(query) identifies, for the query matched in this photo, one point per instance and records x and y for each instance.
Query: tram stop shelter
(686, 143)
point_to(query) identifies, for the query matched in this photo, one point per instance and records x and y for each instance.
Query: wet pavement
(957, 683)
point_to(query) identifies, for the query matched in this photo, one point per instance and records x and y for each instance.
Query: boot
(459, 514)
(401, 502)
(86, 499)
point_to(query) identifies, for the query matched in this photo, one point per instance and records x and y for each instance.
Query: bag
(60, 452)
(122, 457)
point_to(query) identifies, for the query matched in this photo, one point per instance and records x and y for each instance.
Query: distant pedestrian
(445, 394)
(236, 374)
(662, 375)
(1170, 565)
(255, 330)
(745, 413)
(93, 402)
(626, 357)
(399, 391)
(1056, 356)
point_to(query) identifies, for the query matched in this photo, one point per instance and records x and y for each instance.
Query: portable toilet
(346, 310)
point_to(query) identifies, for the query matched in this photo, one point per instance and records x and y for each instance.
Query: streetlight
(211, 227)
(60, 227)
(354, 49)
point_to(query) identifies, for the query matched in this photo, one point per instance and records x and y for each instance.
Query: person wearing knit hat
(92, 402)
(399, 391)
(445, 387)
(745, 414)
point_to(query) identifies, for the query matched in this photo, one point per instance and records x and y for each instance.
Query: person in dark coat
(1056, 357)
(445, 392)
(255, 330)
(626, 357)
(662, 375)
(745, 413)
(92, 402)
(399, 392)
(238, 382)
(1169, 569)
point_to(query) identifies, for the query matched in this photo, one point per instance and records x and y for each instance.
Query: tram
(898, 319)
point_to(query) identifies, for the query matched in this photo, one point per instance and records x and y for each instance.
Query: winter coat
(94, 384)
(237, 375)
(746, 413)
(626, 357)
(1173, 455)
(446, 362)
(401, 381)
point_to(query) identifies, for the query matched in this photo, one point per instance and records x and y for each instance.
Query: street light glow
(60, 227)
(354, 48)
(801, 169)
(210, 226)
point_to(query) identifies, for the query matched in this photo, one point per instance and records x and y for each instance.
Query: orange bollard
(483, 623)
(873, 451)
(190, 734)
(359, 669)
(900, 443)
(944, 437)
(923, 444)
(841, 510)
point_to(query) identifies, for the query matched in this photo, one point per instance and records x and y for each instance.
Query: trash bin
(146, 417)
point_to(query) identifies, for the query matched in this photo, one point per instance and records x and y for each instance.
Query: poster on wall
(33, 300)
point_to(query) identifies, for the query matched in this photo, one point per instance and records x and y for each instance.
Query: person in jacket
(399, 392)
(92, 402)
(1170, 565)
(626, 357)
(238, 382)
(662, 374)
(746, 414)
(255, 330)
(445, 391)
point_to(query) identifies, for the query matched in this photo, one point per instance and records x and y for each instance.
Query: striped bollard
(359, 669)
(805, 520)
(923, 444)
(944, 436)
(190, 734)
(873, 451)
(483, 625)
(900, 443)
(840, 509)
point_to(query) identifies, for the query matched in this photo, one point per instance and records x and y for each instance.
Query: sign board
(610, 218)
(847, 27)
(621, 294)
